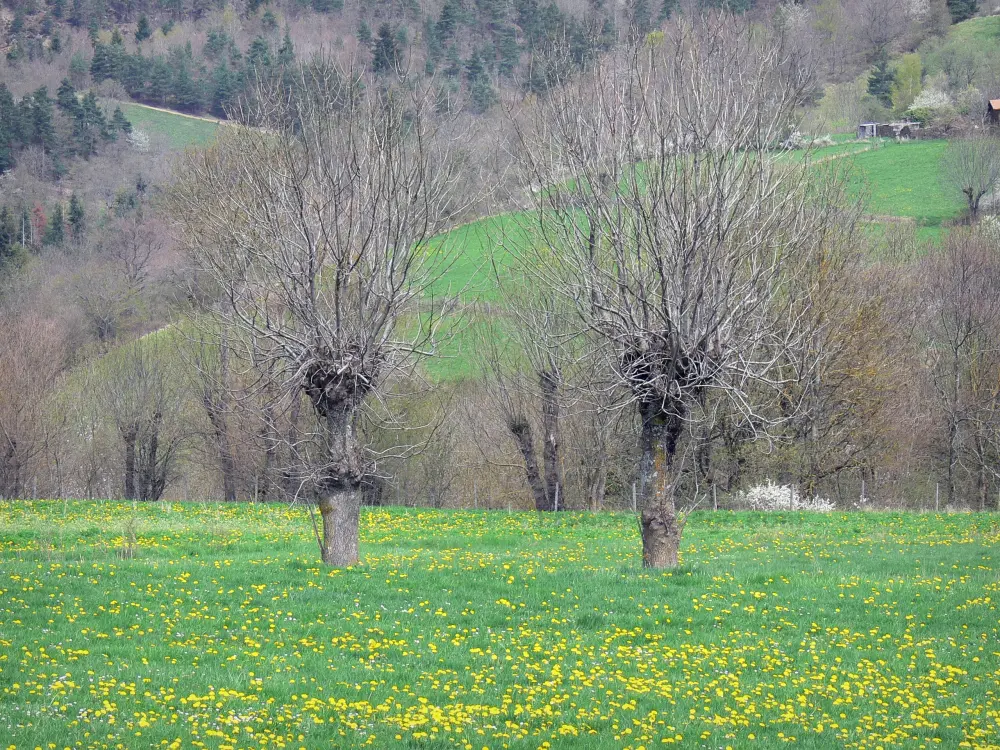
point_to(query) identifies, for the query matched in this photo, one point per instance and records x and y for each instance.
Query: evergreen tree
(160, 80)
(385, 56)
(259, 55)
(66, 97)
(451, 16)
(186, 90)
(100, 63)
(143, 30)
(43, 129)
(77, 16)
(962, 10)
(225, 88)
(454, 67)
(55, 232)
(507, 50)
(6, 231)
(286, 52)
(120, 122)
(77, 217)
(881, 79)
(365, 33)
(8, 128)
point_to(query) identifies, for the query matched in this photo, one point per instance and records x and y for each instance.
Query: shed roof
(995, 104)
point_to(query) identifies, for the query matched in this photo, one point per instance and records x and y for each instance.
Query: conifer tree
(143, 30)
(77, 217)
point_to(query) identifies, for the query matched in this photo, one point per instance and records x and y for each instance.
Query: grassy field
(977, 31)
(904, 179)
(495, 630)
(180, 131)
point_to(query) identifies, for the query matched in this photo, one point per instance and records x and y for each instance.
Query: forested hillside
(121, 380)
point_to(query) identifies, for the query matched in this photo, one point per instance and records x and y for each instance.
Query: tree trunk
(340, 505)
(521, 431)
(292, 442)
(661, 531)
(217, 407)
(554, 484)
(128, 436)
(341, 513)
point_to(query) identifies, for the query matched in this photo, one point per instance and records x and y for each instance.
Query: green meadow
(179, 626)
(178, 130)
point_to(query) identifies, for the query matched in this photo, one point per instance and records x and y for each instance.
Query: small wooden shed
(993, 111)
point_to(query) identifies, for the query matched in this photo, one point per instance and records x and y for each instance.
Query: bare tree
(962, 329)
(672, 229)
(143, 398)
(30, 354)
(972, 167)
(314, 228)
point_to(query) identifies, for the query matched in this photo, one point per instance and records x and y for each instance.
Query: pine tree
(55, 232)
(66, 97)
(364, 33)
(259, 55)
(286, 52)
(120, 122)
(881, 79)
(6, 231)
(44, 133)
(77, 217)
(8, 127)
(962, 10)
(385, 56)
(143, 30)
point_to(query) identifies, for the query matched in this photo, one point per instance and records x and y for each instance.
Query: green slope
(904, 179)
(180, 131)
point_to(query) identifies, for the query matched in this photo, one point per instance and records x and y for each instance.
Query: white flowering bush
(139, 140)
(771, 497)
(931, 105)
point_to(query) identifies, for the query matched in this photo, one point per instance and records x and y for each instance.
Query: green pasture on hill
(904, 180)
(180, 626)
(978, 31)
(179, 131)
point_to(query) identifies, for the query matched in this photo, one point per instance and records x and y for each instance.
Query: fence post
(633, 497)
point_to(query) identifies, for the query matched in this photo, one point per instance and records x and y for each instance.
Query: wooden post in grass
(715, 498)
(937, 496)
(633, 497)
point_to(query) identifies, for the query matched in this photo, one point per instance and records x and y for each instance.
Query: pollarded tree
(314, 229)
(972, 166)
(672, 228)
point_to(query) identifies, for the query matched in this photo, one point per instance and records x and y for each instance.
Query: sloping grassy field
(904, 179)
(981, 32)
(180, 131)
(220, 629)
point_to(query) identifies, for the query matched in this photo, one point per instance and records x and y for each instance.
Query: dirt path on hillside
(178, 114)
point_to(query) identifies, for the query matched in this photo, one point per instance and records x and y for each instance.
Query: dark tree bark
(520, 429)
(129, 435)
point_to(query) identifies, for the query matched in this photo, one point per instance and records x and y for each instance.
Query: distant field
(977, 30)
(465, 629)
(180, 131)
(904, 179)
